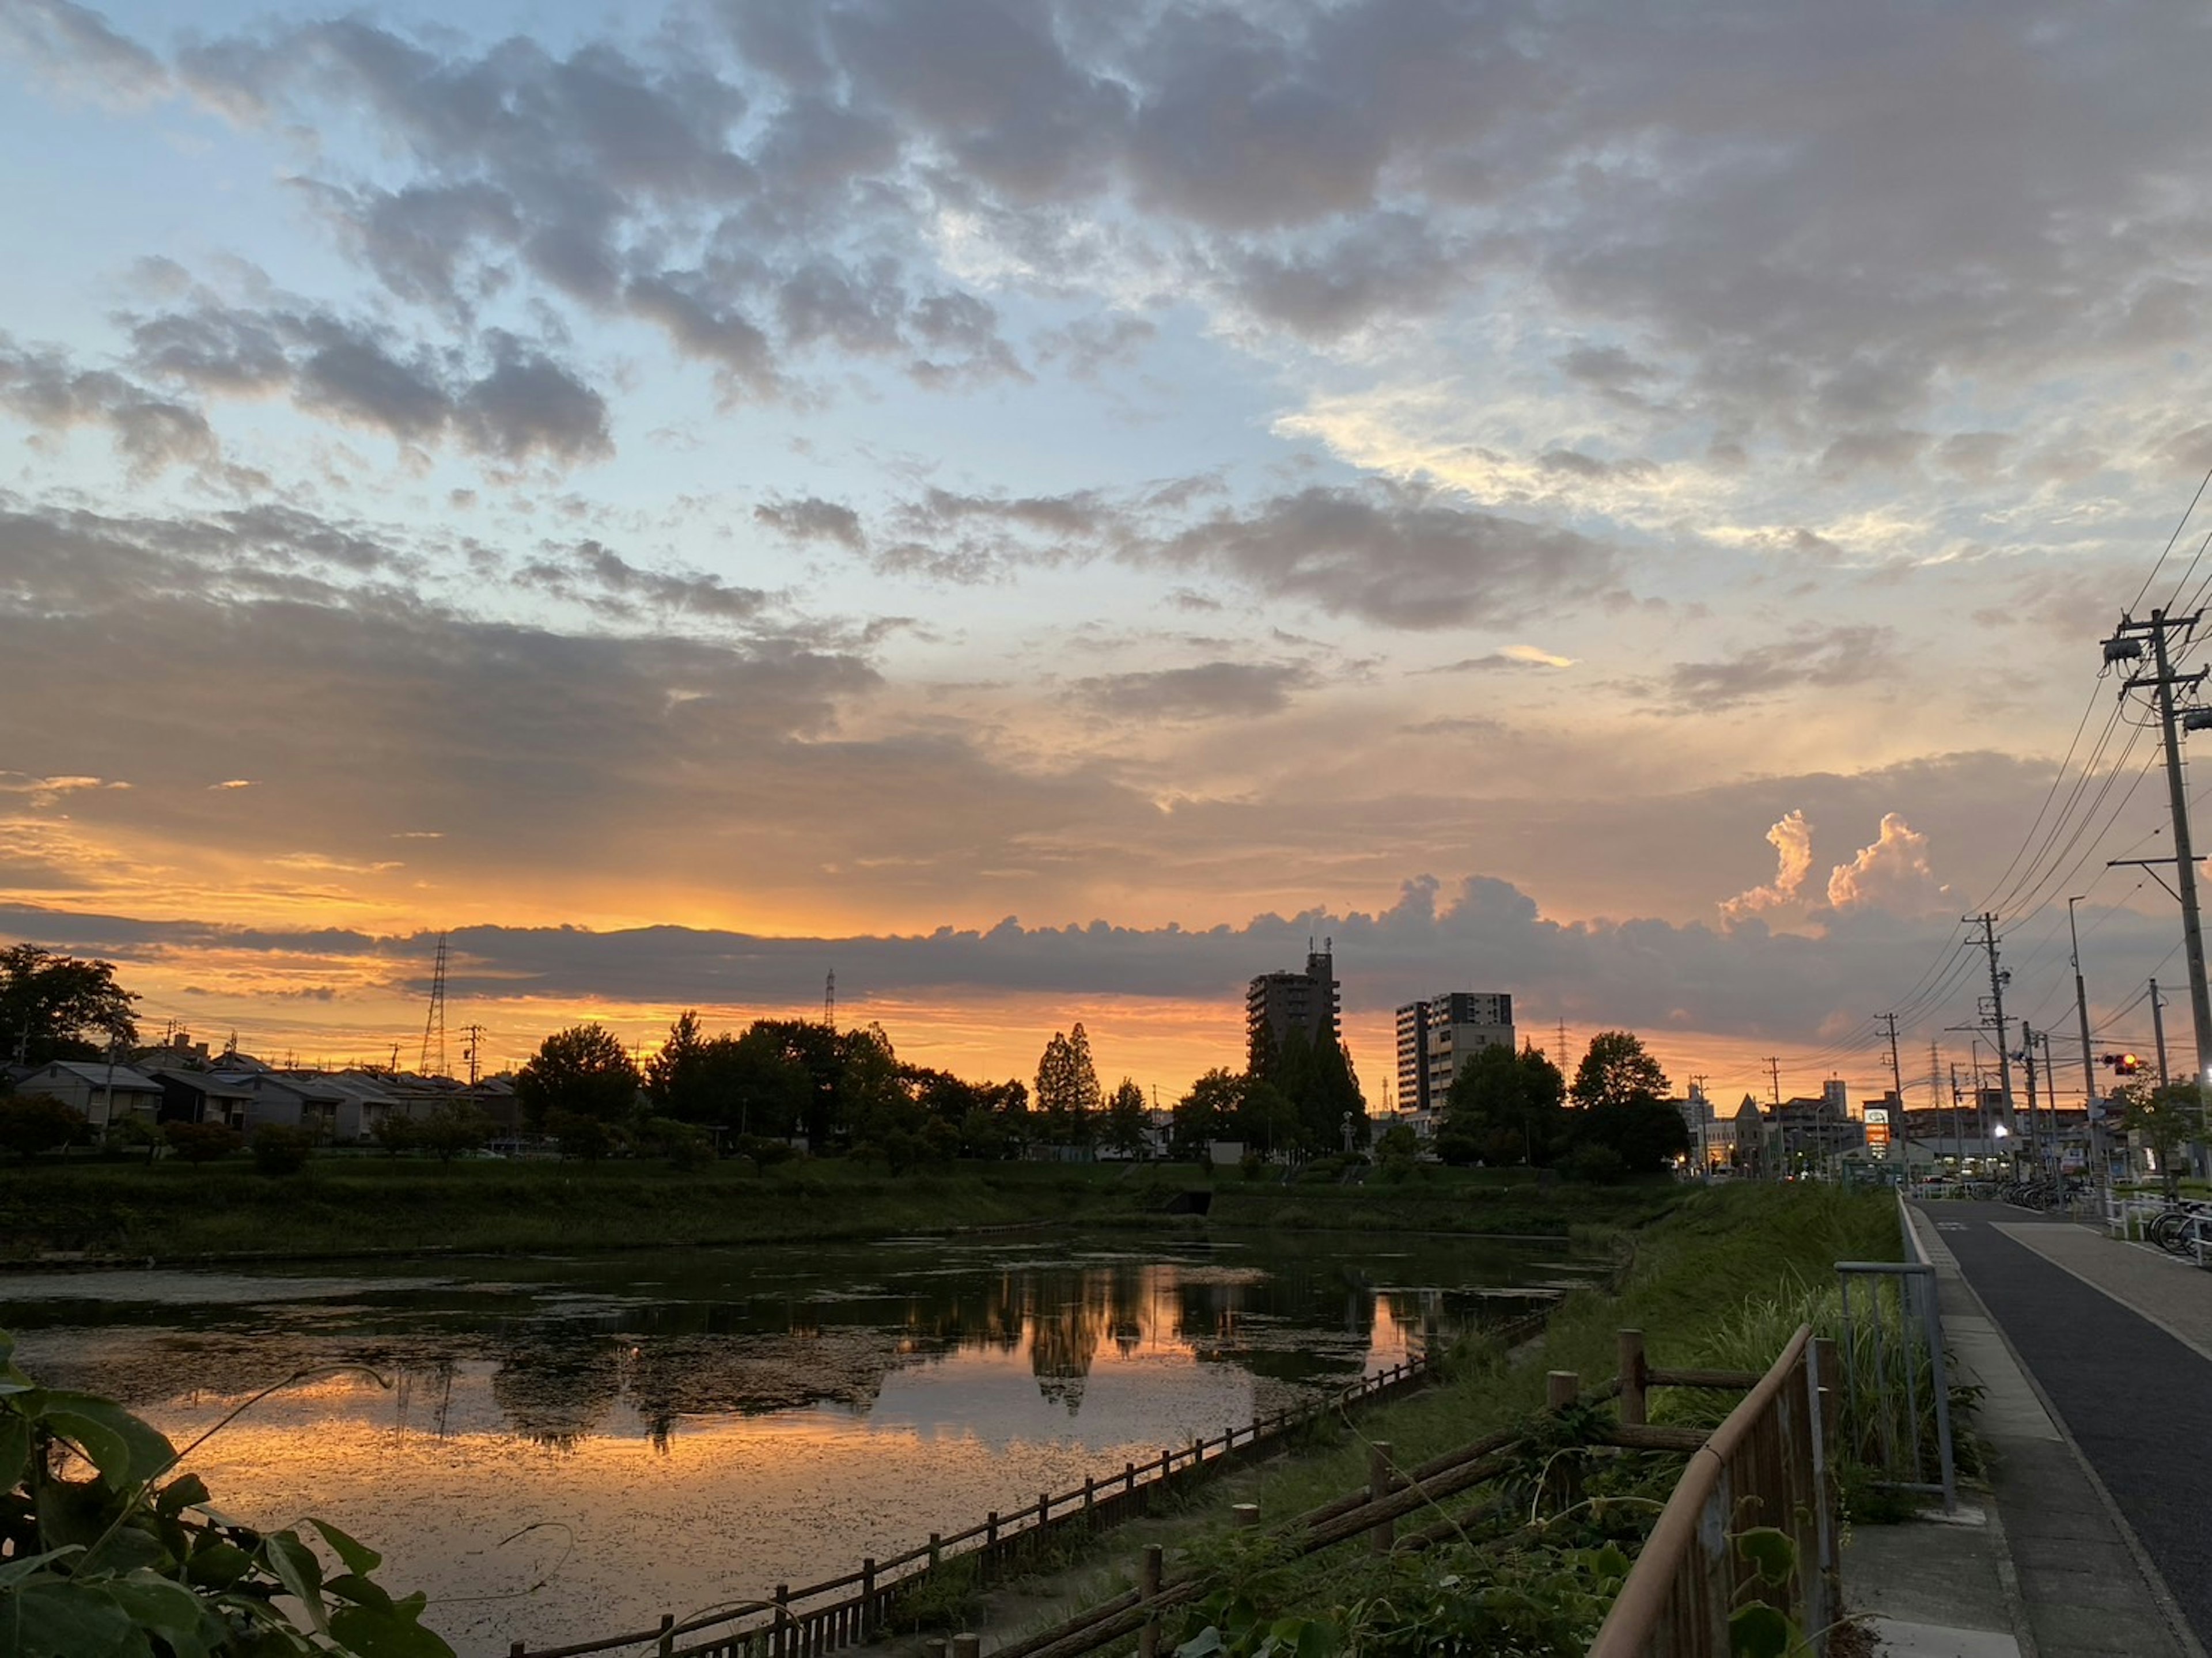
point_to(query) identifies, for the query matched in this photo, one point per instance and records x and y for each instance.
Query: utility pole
(2096, 1115)
(2157, 1030)
(1705, 1110)
(1997, 1007)
(1774, 1071)
(1896, 1073)
(473, 1052)
(1958, 1132)
(2123, 646)
(2027, 1053)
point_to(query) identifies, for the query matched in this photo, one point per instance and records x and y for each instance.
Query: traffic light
(2125, 1065)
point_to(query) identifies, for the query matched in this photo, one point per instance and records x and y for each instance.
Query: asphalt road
(2137, 1400)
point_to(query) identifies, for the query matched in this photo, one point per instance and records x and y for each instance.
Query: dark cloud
(1211, 691)
(75, 46)
(151, 433)
(590, 573)
(1394, 556)
(811, 518)
(1829, 658)
(525, 405)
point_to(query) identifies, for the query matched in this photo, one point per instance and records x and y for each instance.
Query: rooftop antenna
(829, 999)
(434, 1025)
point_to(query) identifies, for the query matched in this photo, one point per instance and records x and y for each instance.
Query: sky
(1042, 509)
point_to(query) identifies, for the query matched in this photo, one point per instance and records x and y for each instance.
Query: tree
(1503, 1108)
(2167, 1118)
(32, 1123)
(676, 1078)
(280, 1148)
(581, 1071)
(1208, 1112)
(1617, 1071)
(202, 1142)
(1067, 1091)
(451, 1128)
(1128, 1120)
(58, 1007)
(1625, 1111)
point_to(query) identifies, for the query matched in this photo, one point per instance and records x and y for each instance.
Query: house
(103, 1092)
(201, 1096)
(290, 1101)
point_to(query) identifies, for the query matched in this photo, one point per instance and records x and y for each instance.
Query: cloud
(75, 46)
(150, 432)
(43, 791)
(1394, 556)
(1211, 691)
(1507, 658)
(811, 518)
(1822, 657)
(1792, 841)
(523, 405)
(1892, 874)
(234, 783)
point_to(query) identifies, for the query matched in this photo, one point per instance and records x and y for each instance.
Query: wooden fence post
(515, 1649)
(1148, 1590)
(784, 1644)
(1385, 1537)
(667, 1634)
(1090, 1495)
(1561, 1389)
(935, 1647)
(967, 1646)
(868, 1599)
(936, 1550)
(1247, 1515)
(1632, 1402)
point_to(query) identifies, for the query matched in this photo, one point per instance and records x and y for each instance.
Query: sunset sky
(1044, 508)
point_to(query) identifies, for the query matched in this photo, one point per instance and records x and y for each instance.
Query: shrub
(32, 1123)
(279, 1149)
(202, 1142)
(766, 1153)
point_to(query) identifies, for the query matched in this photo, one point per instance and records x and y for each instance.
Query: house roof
(97, 1074)
(205, 1082)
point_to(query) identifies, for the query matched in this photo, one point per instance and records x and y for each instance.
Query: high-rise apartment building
(1438, 1036)
(1275, 1004)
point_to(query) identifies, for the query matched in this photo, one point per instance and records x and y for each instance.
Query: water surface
(558, 1449)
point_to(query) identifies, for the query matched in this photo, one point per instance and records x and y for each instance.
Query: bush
(766, 1153)
(32, 1123)
(581, 1136)
(1597, 1165)
(202, 1142)
(279, 1149)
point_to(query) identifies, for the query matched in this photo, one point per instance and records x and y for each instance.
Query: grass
(350, 1205)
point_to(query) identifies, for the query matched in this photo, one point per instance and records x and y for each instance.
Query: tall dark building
(1275, 1004)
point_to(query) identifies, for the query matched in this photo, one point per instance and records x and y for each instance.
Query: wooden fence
(818, 1619)
(1767, 1465)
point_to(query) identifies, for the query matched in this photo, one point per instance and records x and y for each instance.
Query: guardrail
(817, 1618)
(1767, 1464)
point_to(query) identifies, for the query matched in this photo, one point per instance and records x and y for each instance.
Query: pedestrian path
(2095, 1361)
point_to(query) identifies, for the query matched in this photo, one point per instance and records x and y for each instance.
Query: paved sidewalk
(2072, 1579)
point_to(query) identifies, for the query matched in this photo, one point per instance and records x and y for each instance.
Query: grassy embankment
(350, 1205)
(1721, 1281)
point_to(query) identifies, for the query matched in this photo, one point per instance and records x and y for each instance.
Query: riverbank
(1696, 1275)
(341, 1208)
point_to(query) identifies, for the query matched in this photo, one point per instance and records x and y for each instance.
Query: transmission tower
(829, 999)
(434, 1025)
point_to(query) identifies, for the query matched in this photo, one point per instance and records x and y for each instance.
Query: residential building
(1276, 1004)
(201, 1096)
(104, 1093)
(1440, 1034)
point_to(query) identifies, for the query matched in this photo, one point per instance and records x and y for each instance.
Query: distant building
(105, 1093)
(1438, 1036)
(1276, 1004)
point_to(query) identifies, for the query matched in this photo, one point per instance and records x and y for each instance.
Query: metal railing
(1767, 1465)
(1897, 1392)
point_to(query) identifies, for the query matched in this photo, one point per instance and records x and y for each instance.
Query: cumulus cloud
(1893, 873)
(1792, 841)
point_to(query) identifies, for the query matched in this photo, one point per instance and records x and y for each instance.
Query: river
(556, 1449)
